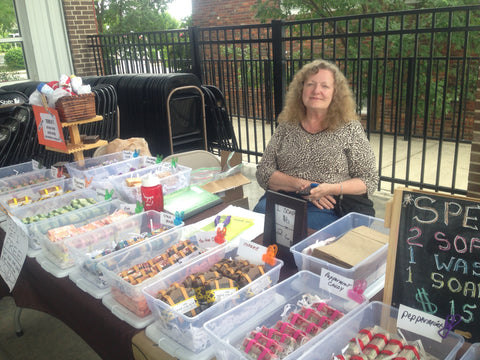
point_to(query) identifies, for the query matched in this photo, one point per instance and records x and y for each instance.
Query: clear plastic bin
(131, 296)
(33, 193)
(88, 249)
(172, 179)
(17, 169)
(229, 330)
(473, 352)
(47, 206)
(99, 168)
(188, 331)
(370, 269)
(377, 313)
(26, 179)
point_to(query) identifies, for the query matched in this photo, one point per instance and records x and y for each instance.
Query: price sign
(49, 129)
(285, 222)
(14, 251)
(433, 257)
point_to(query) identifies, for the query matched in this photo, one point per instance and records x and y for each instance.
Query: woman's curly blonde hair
(342, 109)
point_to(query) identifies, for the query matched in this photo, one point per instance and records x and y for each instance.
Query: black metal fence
(414, 74)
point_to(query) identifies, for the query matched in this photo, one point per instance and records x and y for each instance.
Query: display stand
(75, 145)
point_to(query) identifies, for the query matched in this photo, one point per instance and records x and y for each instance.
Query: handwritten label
(251, 251)
(420, 322)
(335, 283)
(78, 183)
(14, 251)
(206, 239)
(167, 219)
(284, 224)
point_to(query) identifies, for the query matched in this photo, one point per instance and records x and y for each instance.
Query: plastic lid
(150, 180)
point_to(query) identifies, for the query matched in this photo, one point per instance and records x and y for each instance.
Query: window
(12, 60)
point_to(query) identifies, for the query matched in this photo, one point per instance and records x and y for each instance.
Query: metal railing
(414, 75)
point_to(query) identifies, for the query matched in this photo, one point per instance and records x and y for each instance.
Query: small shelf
(73, 148)
(80, 122)
(75, 145)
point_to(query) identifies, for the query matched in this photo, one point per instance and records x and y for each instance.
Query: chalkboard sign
(433, 262)
(285, 223)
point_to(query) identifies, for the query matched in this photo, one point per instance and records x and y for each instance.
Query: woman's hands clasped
(320, 196)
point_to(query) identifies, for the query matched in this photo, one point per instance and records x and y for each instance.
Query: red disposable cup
(152, 197)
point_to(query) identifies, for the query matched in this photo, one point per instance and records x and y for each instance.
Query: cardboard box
(230, 189)
(353, 247)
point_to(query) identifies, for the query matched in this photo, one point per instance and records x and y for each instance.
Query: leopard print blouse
(328, 156)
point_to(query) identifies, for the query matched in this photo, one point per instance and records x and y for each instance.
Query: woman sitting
(319, 140)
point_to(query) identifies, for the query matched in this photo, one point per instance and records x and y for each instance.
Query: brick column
(81, 21)
(474, 172)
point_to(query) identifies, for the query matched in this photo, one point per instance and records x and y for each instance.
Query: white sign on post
(14, 251)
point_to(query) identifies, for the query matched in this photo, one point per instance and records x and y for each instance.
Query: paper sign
(335, 283)
(167, 219)
(251, 251)
(206, 239)
(49, 129)
(284, 224)
(420, 322)
(14, 251)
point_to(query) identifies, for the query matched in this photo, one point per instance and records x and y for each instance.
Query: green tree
(313, 9)
(126, 16)
(8, 21)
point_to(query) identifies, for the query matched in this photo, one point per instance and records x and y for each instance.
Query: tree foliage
(266, 10)
(8, 21)
(125, 16)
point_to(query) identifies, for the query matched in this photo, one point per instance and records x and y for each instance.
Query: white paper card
(14, 251)
(167, 219)
(284, 224)
(420, 322)
(206, 239)
(335, 283)
(251, 251)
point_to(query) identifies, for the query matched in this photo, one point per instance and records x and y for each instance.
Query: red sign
(49, 129)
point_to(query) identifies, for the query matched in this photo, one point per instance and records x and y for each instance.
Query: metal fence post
(278, 66)
(195, 52)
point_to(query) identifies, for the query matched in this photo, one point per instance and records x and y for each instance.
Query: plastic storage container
(27, 195)
(26, 179)
(17, 169)
(130, 296)
(172, 178)
(229, 330)
(101, 167)
(48, 207)
(377, 313)
(370, 269)
(473, 352)
(88, 249)
(188, 331)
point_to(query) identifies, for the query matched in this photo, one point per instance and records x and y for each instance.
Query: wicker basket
(74, 108)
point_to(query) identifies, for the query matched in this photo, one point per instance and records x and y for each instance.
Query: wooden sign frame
(280, 209)
(416, 243)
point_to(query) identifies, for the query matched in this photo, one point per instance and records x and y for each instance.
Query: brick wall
(206, 13)
(81, 21)
(474, 173)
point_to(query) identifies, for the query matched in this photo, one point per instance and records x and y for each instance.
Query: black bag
(353, 203)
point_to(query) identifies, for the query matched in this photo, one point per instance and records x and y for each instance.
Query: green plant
(14, 59)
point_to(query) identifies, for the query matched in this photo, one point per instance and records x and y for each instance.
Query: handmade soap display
(65, 103)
